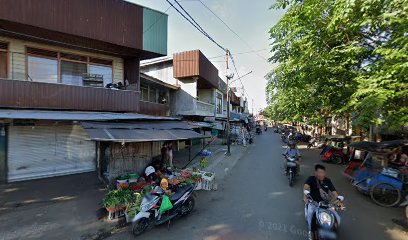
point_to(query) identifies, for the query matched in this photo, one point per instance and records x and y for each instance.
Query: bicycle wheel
(385, 194)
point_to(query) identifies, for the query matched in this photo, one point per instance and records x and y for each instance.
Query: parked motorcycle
(291, 169)
(326, 221)
(313, 143)
(149, 215)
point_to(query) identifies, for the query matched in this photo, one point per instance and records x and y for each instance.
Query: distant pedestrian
(170, 154)
(164, 157)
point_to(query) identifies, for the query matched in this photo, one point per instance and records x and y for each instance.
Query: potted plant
(133, 208)
(122, 181)
(118, 199)
(111, 201)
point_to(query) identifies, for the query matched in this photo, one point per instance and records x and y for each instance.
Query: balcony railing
(38, 95)
(205, 109)
(155, 109)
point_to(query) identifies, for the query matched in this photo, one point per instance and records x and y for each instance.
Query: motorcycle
(258, 131)
(313, 143)
(149, 215)
(291, 169)
(284, 138)
(326, 221)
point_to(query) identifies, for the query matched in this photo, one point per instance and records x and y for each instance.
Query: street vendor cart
(336, 150)
(373, 171)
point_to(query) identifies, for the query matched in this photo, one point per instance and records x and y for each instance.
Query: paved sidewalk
(66, 207)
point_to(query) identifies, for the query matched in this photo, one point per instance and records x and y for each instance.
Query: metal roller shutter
(46, 151)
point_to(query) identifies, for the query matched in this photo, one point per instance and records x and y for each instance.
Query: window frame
(219, 98)
(7, 57)
(59, 59)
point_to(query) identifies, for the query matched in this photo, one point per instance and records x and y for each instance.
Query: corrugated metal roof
(135, 132)
(158, 81)
(159, 125)
(80, 116)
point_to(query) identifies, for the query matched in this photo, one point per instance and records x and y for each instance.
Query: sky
(250, 19)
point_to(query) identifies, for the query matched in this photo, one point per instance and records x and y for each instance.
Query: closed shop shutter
(46, 151)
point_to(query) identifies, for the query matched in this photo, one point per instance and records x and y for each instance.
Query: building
(201, 97)
(65, 67)
(201, 92)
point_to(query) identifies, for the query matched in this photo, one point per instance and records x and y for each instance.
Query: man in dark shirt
(321, 189)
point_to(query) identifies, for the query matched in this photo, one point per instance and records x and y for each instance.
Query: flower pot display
(122, 182)
(116, 201)
(133, 177)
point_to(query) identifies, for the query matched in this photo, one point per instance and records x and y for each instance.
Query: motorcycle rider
(293, 152)
(321, 190)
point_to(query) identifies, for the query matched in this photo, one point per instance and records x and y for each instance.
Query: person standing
(170, 154)
(163, 151)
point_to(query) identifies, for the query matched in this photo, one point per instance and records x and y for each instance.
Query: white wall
(162, 71)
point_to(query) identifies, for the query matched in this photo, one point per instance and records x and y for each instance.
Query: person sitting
(292, 152)
(321, 189)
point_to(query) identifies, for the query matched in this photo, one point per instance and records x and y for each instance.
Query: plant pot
(122, 183)
(111, 210)
(133, 177)
(130, 219)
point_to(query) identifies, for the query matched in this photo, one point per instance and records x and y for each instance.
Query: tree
(335, 57)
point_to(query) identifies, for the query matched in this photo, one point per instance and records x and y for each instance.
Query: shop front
(37, 151)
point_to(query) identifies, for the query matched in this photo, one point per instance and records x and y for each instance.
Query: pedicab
(334, 150)
(376, 175)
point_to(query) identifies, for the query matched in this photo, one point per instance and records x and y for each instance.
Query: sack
(166, 204)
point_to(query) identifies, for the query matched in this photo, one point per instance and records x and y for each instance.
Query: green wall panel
(154, 31)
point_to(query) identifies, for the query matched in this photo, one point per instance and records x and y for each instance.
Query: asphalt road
(255, 202)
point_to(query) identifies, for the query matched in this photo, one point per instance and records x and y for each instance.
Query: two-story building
(201, 92)
(65, 67)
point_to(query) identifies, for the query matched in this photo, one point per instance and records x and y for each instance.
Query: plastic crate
(207, 182)
(116, 214)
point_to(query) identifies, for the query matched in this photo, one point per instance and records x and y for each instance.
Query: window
(74, 69)
(3, 59)
(3, 64)
(105, 71)
(152, 95)
(72, 72)
(219, 103)
(41, 69)
(144, 93)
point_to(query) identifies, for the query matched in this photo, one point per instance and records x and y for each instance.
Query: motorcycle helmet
(292, 144)
(149, 170)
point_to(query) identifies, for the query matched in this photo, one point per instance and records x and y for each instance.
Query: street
(255, 202)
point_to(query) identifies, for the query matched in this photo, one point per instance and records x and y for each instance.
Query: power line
(240, 53)
(239, 77)
(229, 28)
(191, 20)
(157, 20)
(197, 27)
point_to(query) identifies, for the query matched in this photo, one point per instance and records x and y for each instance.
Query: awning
(218, 126)
(139, 131)
(72, 115)
(200, 124)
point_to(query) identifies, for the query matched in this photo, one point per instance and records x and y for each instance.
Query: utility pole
(228, 104)
(252, 106)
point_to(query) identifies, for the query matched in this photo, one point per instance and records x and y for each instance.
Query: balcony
(38, 95)
(204, 109)
(155, 109)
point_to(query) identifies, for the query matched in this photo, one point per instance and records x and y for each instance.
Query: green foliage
(118, 198)
(336, 57)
